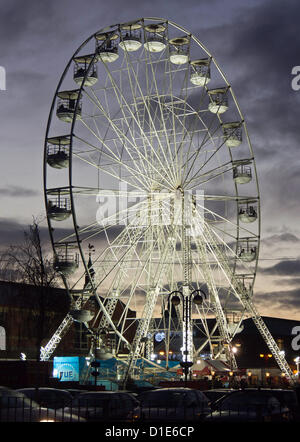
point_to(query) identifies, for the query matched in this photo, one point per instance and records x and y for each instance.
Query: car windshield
(169, 399)
(49, 398)
(92, 401)
(248, 402)
(15, 401)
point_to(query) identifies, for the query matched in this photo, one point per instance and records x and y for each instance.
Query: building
(29, 316)
(252, 353)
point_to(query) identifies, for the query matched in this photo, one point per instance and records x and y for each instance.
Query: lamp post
(212, 378)
(95, 373)
(197, 297)
(266, 358)
(249, 374)
(297, 360)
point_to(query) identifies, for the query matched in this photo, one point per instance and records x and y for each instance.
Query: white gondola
(66, 263)
(232, 133)
(242, 174)
(85, 69)
(58, 152)
(218, 100)
(66, 105)
(103, 353)
(155, 39)
(179, 49)
(200, 72)
(247, 253)
(130, 37)
(59, 209)
(247, 214)
(107, 47)
(81, 315)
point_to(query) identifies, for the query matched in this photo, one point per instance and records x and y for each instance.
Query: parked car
(249, 405)
(105, 406)
(217, 393)
(287, 398)
(75, 391)
(16, 407)
(173, 404)
(54, 398)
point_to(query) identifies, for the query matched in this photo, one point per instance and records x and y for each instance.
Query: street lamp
(197, 297)
(234, 350)
(212, 378)
(297, 360)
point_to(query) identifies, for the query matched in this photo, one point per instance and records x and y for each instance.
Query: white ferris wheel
(152, 195)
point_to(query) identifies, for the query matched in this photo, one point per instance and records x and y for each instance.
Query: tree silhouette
(28, 263)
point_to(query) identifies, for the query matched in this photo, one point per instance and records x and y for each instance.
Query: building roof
(13, 294)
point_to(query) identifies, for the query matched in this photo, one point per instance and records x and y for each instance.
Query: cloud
(282, 237)
(294, 281)
(277, 301)
(17, 191)
(12, 232)
(284, 268)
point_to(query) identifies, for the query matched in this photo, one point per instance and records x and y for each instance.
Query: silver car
(105, 406)
(16, 407)
(249, 405)
(48, 397)
(173, 405)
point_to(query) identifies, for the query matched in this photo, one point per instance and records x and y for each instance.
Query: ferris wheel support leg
(268, 338)
(47, 351)
(221, 320)
(141, 333)
(144, 323)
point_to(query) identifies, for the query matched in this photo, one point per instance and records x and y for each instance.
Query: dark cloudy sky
(256, 44)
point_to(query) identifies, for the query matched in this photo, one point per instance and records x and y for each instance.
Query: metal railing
(22, 409)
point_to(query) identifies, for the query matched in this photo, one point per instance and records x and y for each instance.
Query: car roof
(95, 393)
(9, 392)
(43, 389)
(179, 389)
(219, 389)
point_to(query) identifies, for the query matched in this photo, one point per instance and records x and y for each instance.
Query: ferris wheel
(152, 195)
